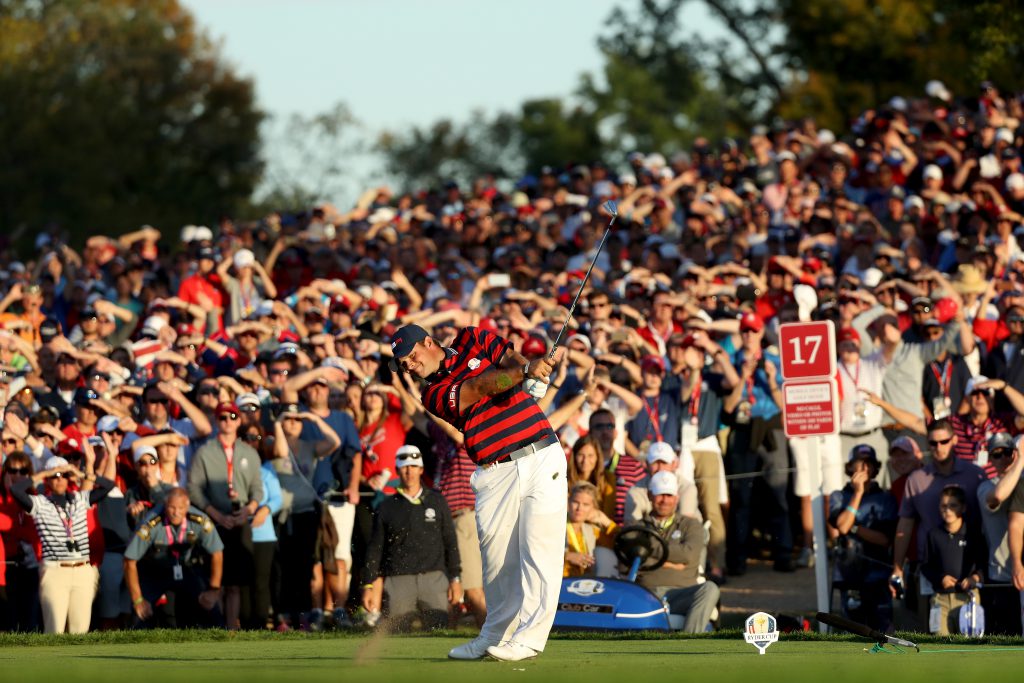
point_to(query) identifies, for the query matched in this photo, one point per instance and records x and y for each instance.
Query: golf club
(862, 630)
(612, 210)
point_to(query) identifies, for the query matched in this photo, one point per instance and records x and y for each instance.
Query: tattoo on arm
(503, 381)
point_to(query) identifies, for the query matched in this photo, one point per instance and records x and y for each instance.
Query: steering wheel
(643, 542)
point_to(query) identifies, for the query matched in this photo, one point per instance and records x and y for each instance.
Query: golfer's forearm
(1015, 537)
(495, 381)
(904, 529)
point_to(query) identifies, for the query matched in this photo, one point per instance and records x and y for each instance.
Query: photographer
(865, 516)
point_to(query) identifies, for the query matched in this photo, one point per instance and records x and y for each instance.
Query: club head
(611, 208)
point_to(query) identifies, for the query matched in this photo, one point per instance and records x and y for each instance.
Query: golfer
(519, 482)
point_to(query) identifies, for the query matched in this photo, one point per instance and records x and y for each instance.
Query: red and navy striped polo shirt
(495, 425)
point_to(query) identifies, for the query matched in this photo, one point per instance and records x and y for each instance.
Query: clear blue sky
(401, 62)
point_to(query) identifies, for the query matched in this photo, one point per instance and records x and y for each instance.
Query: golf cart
(587, 603)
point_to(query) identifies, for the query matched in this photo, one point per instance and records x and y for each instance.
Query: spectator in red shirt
(204, 289)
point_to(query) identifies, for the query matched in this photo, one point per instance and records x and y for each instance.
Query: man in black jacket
(413, 553)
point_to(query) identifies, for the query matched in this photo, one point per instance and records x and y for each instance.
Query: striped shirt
(453, 470)
(623, 472)
(972, 439)
(63, 529)
(496, 425)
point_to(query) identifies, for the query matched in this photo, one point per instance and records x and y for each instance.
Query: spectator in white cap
(68, 581)
(1015, 190)
(932, 180)
(148, 492)
(413, 554)
(661, 457)
(250, 406)
(247, 285)
(677, 581)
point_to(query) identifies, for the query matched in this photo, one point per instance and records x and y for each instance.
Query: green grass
(197, 657)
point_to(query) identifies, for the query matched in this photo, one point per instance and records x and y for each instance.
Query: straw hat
(969, 280)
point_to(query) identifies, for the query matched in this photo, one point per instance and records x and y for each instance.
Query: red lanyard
(229, 453)
(945, 378)
(695, 399)
(66, 519)
(751, 399)
(652, 415)
(181, 538)
(855, 378)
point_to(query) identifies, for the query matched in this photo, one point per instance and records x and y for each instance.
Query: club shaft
(586, 278)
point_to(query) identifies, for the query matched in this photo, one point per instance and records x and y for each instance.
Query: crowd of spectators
(200, 425)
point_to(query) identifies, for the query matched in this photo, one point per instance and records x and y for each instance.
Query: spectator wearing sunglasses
(1005, 338)
(975, 427)
(67, 584)
(157, 399)
(1000, 598)
(149, 491)
(19, 609)
(224, 482)
(87, 413)
(919, 508)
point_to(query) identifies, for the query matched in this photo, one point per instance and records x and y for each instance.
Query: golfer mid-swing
(476, 385)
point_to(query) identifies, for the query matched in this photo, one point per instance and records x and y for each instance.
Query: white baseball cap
(659, 451)
(663, 484)
(137, 453)
(408, 455)
(53, 462)
(932, 171)
(243, 258)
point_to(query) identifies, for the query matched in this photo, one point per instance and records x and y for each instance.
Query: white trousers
(66, 595)
(521, 510)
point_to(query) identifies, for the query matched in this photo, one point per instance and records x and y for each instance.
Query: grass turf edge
(129, 637)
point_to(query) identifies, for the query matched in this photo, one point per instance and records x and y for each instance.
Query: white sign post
(810, 411)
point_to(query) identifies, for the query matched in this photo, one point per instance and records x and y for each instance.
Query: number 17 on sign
(808, 349)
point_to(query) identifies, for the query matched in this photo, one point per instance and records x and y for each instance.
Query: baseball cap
(152, 326)
(848, 334)
(83, 396)
(108, 423)
(974, 382)
(226, 408)
(408, 455)
(49, 329)
(403, 341)
(663, 484)
(862, 452)
(70, 446)
(54, 461)
(1000, 440)
(534, 346)
(140, 451)
(652, 363)
(247, 400)
(660, 451)
(907, 445)
(751, 321)
(243, 258)
(921, 301)
(207, 253)
(582, 338)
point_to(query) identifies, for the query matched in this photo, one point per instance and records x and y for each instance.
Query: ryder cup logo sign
(584, 587)
(761, 631)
